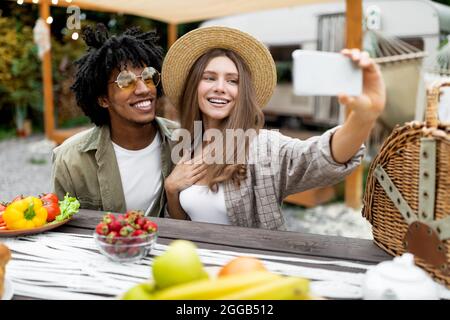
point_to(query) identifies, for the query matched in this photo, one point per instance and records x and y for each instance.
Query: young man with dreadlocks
(120, 164)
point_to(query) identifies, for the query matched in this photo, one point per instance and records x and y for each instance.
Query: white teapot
(399, 279)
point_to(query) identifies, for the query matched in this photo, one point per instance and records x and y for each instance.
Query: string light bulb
(55, 2)
(19, 2)
(35, 1)
(68, 1)
(75, 35)
(49, 19)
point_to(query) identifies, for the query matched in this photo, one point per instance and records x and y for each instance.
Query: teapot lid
(401, 269)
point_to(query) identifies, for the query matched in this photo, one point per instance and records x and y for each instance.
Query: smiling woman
(221, 78)
(219, 93)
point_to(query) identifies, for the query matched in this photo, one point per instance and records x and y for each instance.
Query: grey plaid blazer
(280, 166)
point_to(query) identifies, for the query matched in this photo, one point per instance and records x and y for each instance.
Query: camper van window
(283, 61)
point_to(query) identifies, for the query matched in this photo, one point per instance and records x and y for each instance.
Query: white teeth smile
(218, 101)
(143, 104)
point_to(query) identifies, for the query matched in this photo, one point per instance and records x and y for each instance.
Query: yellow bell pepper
(27, 213)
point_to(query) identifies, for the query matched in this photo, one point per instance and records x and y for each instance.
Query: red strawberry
(130, 213)
(126, 230)
(102, 229)
(150, 226)
(121, 219)
(138, 213)
(131, 218)
(132, 252)
(141, 222)
(111, 237)
(116, 225)
(133, 215)
(110, 249)
(108, 218)
(131, 221)
(138, 233)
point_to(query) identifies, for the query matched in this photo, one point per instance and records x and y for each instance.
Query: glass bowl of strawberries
(126, 237)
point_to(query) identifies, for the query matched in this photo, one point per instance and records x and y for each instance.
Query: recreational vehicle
(404, 35)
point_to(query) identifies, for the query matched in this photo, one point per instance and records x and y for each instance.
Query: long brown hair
(245, 115)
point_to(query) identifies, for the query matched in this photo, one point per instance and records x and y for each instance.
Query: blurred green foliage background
(20, 66)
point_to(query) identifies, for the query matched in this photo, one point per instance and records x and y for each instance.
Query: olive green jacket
(85, 166)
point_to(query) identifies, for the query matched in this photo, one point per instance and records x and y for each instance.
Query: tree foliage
(20, 76)
(20, 67)
(447, 2)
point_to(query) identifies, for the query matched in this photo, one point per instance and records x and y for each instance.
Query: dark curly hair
(106, 54)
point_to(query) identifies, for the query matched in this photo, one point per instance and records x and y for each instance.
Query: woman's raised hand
(370, 104)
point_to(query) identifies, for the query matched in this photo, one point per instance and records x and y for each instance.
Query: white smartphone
(318, 73)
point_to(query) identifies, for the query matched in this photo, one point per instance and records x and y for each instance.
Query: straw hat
(187, 49)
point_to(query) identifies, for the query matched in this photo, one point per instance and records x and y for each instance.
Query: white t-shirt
(140, 172)
(203, 205)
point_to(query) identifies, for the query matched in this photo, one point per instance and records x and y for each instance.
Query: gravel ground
(25, 168)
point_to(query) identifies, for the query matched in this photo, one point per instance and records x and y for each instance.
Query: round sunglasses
(127, 79)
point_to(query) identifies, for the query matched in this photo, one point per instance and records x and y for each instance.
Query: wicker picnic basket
(407, 196)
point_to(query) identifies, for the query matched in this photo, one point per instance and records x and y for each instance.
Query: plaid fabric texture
(280, 166)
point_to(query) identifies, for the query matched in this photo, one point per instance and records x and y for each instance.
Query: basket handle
(433, 94)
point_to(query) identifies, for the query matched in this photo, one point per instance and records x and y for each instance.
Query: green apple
(142, 291)
(179, 264)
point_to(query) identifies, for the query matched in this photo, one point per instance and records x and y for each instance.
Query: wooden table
(248, 240)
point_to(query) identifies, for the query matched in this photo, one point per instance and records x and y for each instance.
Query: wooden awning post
(49, 116)
(354, 32)
(172, 34)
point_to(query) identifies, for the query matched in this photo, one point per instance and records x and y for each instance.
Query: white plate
(9, 290)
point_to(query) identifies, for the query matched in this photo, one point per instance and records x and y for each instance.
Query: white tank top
(203, 205)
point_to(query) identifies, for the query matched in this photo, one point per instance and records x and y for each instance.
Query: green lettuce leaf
(68, 206)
